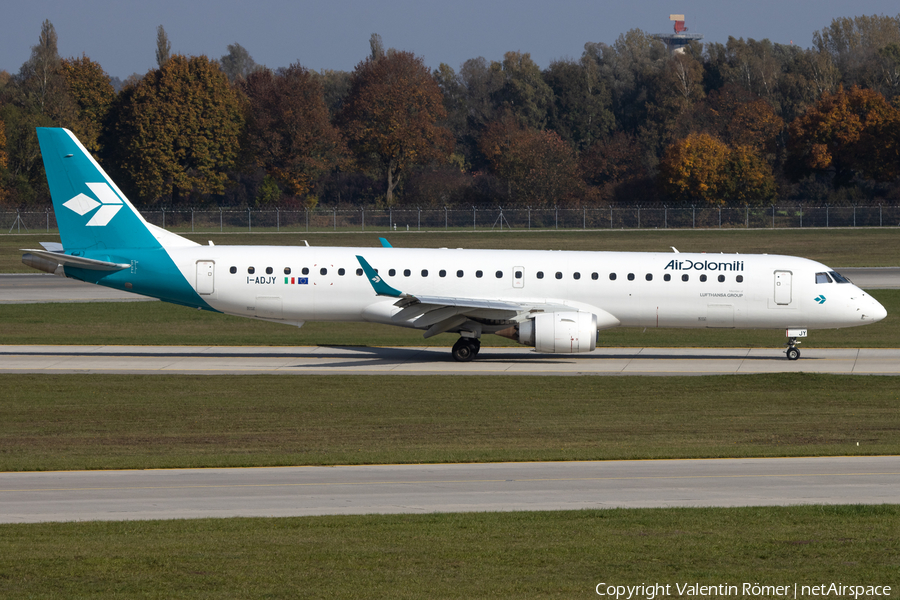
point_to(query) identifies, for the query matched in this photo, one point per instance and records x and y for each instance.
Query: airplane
(553, 301)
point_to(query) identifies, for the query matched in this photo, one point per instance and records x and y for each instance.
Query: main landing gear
(466, 349)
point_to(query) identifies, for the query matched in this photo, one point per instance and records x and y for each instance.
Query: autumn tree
(391, 117)
(238, 64)
(177, 131)
(523, 91)
(93, 94)
(163, 47)
(540, 168)
(857, 46)
(581, 111)
(702, 169)
(289, 132)
(617, 169)
(848, 133)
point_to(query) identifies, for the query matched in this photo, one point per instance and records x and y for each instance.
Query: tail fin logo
(109, 203)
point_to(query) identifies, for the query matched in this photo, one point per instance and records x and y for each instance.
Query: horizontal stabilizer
(69, 260)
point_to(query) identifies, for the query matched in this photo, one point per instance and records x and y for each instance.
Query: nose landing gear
(792, 334)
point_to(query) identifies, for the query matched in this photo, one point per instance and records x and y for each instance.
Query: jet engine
(560, 332)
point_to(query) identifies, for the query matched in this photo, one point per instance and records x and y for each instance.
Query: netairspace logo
(649, 591)
(109, 203)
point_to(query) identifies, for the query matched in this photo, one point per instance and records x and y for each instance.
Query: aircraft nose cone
(875, 311)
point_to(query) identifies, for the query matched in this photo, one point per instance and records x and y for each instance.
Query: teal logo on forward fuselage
(820, 299)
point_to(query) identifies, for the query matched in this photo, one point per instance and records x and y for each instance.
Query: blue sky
(121, 35)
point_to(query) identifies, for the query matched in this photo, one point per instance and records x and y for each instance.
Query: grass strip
(486, 555)
(834, 247)
(70, 422)
(158, 323)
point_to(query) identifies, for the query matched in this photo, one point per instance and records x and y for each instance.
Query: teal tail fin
(91, 211)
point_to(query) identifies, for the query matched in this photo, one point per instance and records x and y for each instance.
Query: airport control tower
(676, 42)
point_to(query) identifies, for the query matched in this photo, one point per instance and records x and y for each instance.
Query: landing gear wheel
(792, 353)
(465, 349)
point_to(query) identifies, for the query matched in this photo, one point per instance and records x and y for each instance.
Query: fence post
(334, 217)
(557, 218)
(419, 222)
(827, 219)
(639, 217)
(249, 221)
(192, 219)
(473, 218)
(693, 217)
(277, 218)
(879, 215)
(390, 218)
(773, 216)
(720, 217)
(801, 215)
(445, 219)
(665, 217)
(307, 219)
(610, 217)
(529, 217)
(48, 216)
(854, 215)
(584, 217)
(363, 218)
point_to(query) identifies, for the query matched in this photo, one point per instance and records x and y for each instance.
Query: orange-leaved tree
(289, 131)
(847, 133)
(391, 117)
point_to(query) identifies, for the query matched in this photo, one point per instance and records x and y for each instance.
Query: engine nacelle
(560, 332)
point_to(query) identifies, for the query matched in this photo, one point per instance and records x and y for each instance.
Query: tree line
(742, 123)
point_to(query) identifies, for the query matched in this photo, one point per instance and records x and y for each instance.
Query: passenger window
(251, 270)
(341, 272)
(823, 278)
(424, 272)
(667, 277)
(539, 274)
(740, 279)
(305, 271)
(649, 277)
(499, 274)
(721, 279)
(612, 276)
(631, 277)
(442, 273)
(459, 273)
(478, 274)
(685, 277)
(595, 276)
(518, 274)
(233, 270)
(323, 271)
(287, 270)
(392, 272)
(558, 275)
(407, 272)
(576, 275)
(702, 278)
(359, 272)
(268, 270)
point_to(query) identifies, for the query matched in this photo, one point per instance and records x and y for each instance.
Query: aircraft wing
(442, 313)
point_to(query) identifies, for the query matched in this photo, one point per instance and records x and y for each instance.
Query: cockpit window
(838, 277)
(823, 278)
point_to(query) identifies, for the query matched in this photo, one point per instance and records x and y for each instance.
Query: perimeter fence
(488, 219)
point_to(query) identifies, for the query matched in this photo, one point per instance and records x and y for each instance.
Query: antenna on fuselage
(675, 250)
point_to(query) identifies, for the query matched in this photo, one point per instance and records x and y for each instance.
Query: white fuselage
(296, 284)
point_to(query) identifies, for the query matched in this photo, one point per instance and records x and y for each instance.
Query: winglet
(381, 288)
(385, 243)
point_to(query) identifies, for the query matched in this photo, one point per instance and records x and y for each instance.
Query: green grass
(158, 323)
(488, 555)
(834, 247)
(70, 422)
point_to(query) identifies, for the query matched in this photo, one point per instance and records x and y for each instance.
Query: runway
(336, 360)
(35, 288)
(384, 489)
